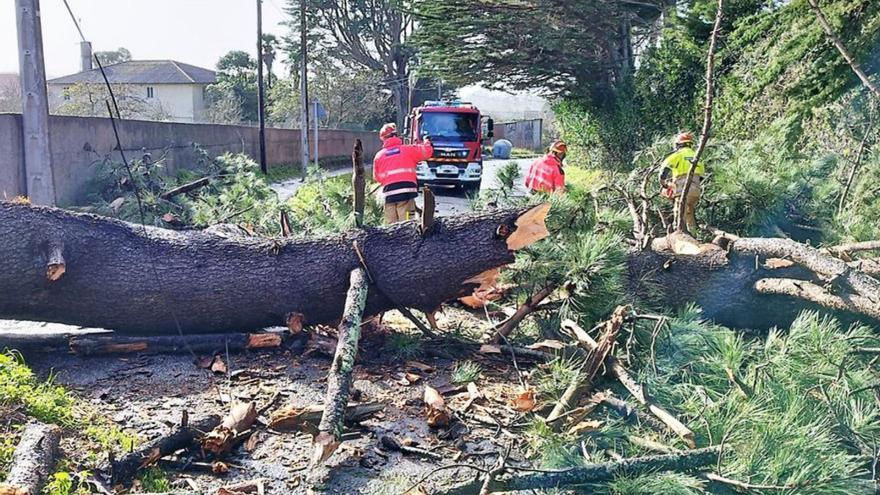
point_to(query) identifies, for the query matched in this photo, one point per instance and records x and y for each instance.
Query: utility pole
(303, 89)
(261, 111)
(39, 180)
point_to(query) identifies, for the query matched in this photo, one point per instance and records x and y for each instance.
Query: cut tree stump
(33, 460)
(215, 284)
(339, 376)
(686, 461)
(185, 435)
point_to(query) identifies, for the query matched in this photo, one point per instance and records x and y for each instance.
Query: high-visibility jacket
(680, 162)
(394, 167)
(546, 174)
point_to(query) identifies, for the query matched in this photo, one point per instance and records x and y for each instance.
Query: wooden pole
(303, 90)
(261, 104)
(39, 179)
(339, 377)
(358, 181)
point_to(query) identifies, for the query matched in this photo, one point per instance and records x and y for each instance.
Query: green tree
(109, 57)
(233, 98)
(370, 35)
(270, 46)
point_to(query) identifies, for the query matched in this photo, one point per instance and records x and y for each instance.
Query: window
(149, 91)
(66, 93)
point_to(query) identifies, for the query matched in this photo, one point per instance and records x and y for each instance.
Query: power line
(73, 18)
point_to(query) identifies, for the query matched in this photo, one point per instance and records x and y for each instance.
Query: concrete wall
(523, 134)
(79, 143)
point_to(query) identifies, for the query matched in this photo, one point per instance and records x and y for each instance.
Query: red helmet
(684, 138)
(559, 147)
(388, 130)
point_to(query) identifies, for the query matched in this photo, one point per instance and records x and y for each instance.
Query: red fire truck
(456, 130)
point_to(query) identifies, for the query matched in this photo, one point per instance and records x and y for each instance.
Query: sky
(196, 32)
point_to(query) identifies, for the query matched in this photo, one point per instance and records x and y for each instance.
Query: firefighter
(546, 174)
(673, 177)
(394, 168)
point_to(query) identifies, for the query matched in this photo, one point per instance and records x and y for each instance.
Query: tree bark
(185, 188)
(592, 473)
(101, 344)
(33, 460)
(339, 377)
(210, 283)
(230, 431)
(358, 182)
(183, 436)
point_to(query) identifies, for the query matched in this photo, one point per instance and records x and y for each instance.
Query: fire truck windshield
(443, 125)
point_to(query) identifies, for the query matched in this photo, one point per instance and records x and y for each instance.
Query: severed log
(183, 436)
(339, 377)
(214, 284)
(638, 392)
(507, 326)
(853, 247)
(309, 417)
(185, 188)
(594, 361)
(234, 427)
(686, 461)
(33, 460)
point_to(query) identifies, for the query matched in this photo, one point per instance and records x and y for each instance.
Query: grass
(553, 378)
(42, 400)
(466, 372)
(154, 480)
(403, 346)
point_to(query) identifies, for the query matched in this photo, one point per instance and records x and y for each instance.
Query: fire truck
(456, 130)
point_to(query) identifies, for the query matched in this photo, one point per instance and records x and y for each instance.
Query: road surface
(449, 200)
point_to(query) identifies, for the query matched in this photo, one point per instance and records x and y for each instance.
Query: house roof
(143, 72)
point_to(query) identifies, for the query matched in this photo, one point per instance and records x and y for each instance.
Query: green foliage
(655, 484)
(66, 483)
(403, 346)
(8, 442)
(43, 400)
(154, 480)
(552, 379)
(466, 372)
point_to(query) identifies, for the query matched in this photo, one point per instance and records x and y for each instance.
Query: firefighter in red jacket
(546, 174)
(394, 168)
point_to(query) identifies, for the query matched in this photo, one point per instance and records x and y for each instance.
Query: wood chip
(525, 401)
(437, 414)
(218, 366)
(424, 368)
(585, 427)
(490, 349)
(550, 344)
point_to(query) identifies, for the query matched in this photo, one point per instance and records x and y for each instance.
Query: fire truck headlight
(474, 168)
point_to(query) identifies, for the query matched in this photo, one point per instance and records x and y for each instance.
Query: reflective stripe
(401, 191)
(398, 171)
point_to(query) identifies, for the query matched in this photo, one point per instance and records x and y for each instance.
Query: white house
(153, 89)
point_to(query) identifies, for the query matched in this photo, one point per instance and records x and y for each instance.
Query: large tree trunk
(136, 279)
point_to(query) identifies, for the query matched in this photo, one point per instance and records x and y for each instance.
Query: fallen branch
(123, 470)
(185, 188)
(507, 326)
(33, 460)
(231, 430)
(307, 418)
(638, 392)
(707, 118)
(388, 442)
(686, 461)
(812, 292)
(853, 247)
(339, 376)
(594, 361)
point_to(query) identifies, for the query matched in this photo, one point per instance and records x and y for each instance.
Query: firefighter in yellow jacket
(673, 177)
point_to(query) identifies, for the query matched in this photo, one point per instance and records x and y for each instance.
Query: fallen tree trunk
(208, 283)
(33, 460)
(339, 376)
(183, 436)
(593, 473)
(102, 344)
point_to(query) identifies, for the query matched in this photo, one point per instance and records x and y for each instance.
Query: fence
(79, 143)
(523, 133)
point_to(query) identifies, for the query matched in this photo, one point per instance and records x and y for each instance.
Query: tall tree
(372, 34)
(561, 47)
(108, 57)
(236, 86)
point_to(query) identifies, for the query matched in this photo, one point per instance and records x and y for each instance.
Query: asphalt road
(449, 200)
